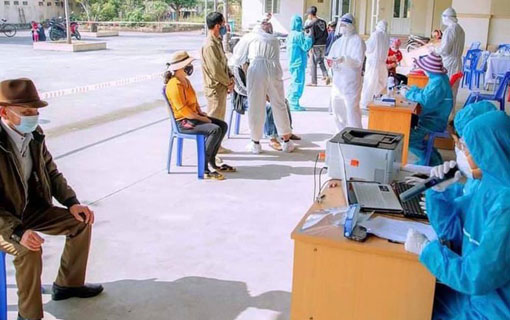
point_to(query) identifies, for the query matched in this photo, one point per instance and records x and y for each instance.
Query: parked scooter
(58, 29)
(415, 42)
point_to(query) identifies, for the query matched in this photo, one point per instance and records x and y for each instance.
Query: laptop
(373, 196)
(384, 198)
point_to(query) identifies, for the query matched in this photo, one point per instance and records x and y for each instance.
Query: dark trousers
(214, 133)
(400, 79)
(318, 53)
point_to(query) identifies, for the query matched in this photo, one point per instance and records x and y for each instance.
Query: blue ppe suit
(298, 45)
(436, 102)
(475, 269)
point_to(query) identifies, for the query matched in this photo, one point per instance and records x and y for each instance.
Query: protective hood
(381, 26)
(488, 140)
(449, 17)
(296, 23)
(469, 113)
(348, 21)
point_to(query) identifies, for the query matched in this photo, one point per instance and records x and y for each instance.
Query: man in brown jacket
(218, 80)
(29, 180)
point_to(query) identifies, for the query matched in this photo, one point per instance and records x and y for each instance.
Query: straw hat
(179, 60)
(431, 63)
(20, 93)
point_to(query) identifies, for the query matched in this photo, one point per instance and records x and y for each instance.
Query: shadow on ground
(190, 298)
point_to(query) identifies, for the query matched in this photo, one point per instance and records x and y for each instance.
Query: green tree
(178, 5)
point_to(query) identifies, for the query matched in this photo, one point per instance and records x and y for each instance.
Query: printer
(367, 155)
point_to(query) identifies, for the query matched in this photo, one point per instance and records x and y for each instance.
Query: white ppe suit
(264, 78)
(346, 89)
(452, 46)
(376, 72)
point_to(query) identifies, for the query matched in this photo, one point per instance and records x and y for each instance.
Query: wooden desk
(336, 279)
(393, 119)
(417, 80)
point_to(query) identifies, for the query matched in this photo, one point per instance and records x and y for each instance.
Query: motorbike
(58, 30)
(415, 41)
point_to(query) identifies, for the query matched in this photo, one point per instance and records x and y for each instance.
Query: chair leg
(3, 288)
(201, 156)
(179, 151)
(170, 148)
(238, 123)
(230, 122)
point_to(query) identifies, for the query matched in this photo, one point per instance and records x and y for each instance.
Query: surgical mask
(223, 31)
(463, 164)
(188, 69)
(27, 123)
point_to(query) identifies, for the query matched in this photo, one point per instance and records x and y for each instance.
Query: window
(25, 3)
(41, 4)
(396, 9)
(407, 9)
(346, 4)
(7, 3)
(272, 6)
(49, 4)
(16, 3)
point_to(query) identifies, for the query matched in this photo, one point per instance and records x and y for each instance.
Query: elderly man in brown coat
(29, 180)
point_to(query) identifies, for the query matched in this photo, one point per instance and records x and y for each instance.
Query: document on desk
(396, 230)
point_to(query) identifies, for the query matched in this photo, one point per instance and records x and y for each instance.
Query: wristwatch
(17, 234)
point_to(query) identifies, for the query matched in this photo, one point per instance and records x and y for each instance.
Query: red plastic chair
(455, 78)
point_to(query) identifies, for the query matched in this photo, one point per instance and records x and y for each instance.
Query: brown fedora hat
(20, 93)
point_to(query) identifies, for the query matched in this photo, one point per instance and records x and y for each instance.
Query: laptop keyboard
(412, 208)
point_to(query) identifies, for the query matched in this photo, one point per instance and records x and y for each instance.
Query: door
(401, 24)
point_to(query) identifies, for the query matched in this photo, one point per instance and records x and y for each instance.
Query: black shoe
(87, 291)
(21, 318)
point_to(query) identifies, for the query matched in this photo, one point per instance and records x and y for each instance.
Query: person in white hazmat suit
(346, 60)
(264, 81)
(452, 46)
(376, 72)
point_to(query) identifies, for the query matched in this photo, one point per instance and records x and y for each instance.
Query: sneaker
(328, 81)
(254, 148)
(223, 150)
(297, 108)
(213, 175)
(311, 84)
(288, 146)
(275, 144)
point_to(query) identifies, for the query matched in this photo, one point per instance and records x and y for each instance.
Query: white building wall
(36, 10)
(254, 9)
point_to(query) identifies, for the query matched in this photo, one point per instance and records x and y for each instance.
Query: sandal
(213, 175)
(275, 145)
(226, 168)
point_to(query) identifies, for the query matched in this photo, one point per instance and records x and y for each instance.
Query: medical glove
(415, 242)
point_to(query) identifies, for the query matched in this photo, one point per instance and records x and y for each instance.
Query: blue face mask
(223, 31)
(27, 123)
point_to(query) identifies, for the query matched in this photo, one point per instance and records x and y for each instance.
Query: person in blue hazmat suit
(298, 45)
(471, 258)
(436, 104)
(460, 122)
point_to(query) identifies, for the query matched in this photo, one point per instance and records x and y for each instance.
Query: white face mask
(463, 164)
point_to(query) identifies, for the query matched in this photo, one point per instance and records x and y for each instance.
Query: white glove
(413, 180)
(415, 241)
(423, 204)
(440, 171)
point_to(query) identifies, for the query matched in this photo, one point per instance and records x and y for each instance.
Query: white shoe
(288, 146)
(254, 148)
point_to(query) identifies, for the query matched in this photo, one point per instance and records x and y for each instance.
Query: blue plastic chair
(176, 134)
(481, 68)
(475, 45)
(498, 96)
(3, 288)
(237, 126)
(470, 62)
(504, 47)
(430, 144)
